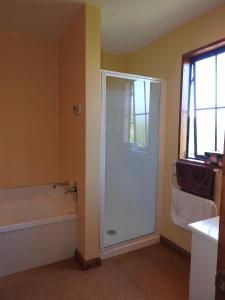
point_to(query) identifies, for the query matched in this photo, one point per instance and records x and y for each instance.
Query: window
(139, 115)
(203, 102)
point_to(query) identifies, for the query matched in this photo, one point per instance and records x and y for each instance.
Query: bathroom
(50, 116)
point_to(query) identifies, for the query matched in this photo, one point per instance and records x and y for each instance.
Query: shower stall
(131, 108)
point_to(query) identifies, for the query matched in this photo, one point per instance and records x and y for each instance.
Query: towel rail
(174, 173)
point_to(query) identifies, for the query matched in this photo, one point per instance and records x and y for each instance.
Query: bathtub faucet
(64, 184)
(72, 189)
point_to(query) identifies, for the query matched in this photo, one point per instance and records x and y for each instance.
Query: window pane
(205, 131)
(139, 96)
(220, 129)
(191, 149)
(221, 79)
(140, 131)
(205, 82)
(147, 93)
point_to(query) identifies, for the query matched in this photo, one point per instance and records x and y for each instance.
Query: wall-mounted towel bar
(189, 184)
(174, 173)
(197, 179)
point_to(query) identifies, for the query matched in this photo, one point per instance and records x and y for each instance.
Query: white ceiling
(130, 24)
(127, 25)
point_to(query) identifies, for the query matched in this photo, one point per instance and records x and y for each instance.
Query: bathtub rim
(38, 222)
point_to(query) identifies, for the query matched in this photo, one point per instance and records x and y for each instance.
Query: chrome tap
(72, 189)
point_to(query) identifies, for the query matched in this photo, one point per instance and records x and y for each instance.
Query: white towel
(187, 208)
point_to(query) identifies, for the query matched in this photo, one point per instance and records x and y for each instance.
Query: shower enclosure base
(128, 225)
(131, 245)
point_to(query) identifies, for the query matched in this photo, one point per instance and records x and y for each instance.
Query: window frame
(184, 120)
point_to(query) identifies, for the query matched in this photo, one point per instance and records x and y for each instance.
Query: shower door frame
(154, 237)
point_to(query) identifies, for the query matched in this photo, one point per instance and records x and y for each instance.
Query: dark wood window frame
(187, 61)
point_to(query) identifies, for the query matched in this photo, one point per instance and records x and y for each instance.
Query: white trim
(102, 158)
(129, 246)
(161, 153)
(148, 239)
(128, 76)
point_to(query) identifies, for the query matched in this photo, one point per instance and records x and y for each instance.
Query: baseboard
(130, 246)
(87, 264)
(175, 247)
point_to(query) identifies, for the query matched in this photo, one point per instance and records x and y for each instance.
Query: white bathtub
(37, 227)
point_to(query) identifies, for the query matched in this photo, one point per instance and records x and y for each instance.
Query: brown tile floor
(153, 273)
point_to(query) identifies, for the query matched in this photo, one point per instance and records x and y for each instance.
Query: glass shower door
(130, 138)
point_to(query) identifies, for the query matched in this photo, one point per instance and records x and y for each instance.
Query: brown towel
(196, 179)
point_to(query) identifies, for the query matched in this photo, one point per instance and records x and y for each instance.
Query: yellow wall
(31, 123)
(79, 82)
(93, 119)
(29, 110)
(113, 62)
(162, 59)
(72, 128)
(42, 140)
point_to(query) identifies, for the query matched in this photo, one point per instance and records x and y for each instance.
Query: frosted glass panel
(141, 130)
(130, 162)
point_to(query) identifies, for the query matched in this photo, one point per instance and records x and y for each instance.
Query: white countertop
(208, 228)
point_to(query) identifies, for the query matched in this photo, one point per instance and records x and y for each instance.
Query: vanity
(203, 259)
